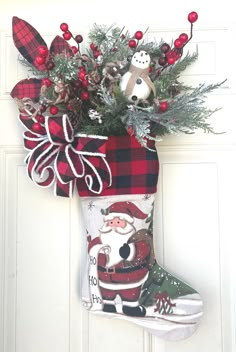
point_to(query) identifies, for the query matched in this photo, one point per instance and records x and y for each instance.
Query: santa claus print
(123, 265)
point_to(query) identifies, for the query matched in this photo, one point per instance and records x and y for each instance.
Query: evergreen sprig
(114, 113)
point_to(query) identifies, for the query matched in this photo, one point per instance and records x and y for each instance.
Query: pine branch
(30, 68)
(187, 113)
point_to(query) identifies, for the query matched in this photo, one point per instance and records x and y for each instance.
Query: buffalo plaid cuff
(134, 168)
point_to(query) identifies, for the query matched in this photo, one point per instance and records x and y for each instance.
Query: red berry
(74, 49)
(43, 50)
(85, 95)
(64, 27)
(122, 37)
(138, 35)
(40, 118)
(53, 110)
(171, 60)
(36, 127)
(85, 83)
(68, 106)
(81, 75)
(165, 48)
(132, 44)
(43, 108)
(162, 61)
(40, 60)
(171, 53)
(67, 35)
(163, 106)
(130, 130)
(93, 47)
(178, 44)
(96, 53)
(46, 82)
(183, 37)
(115, 49)
(82, 68)
(79, 38)
(192, 17)
(50, 65)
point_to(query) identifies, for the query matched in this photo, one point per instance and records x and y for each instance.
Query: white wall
(42, 237)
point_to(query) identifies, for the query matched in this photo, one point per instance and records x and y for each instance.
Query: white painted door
(42, 245)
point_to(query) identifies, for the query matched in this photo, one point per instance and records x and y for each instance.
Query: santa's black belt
(120, 270)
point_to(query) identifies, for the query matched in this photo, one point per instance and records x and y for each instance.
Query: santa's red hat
(124, 210)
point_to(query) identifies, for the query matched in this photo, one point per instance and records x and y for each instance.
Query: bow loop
(59, 156)
(59, 129)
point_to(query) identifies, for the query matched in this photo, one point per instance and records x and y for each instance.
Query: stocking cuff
(134, 168)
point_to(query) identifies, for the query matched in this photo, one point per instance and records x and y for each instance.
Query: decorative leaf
(60, 45)
(27, 88)
(27, 40)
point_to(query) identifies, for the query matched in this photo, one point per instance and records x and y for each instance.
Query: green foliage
(186, 111)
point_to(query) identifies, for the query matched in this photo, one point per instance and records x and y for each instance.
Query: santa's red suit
(123, 270)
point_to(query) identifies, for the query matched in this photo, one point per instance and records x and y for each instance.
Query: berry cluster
(78, 89)
(134, 42)
(170, 56)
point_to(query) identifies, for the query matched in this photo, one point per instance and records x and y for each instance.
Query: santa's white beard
(114, 239)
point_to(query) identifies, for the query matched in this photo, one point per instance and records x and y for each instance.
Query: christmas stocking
(123, 278)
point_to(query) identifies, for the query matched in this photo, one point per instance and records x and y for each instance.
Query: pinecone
(74, 120)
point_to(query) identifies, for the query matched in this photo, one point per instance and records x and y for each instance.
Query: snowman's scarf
(135, 74)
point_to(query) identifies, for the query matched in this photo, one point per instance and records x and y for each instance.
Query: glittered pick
(60, 45)
(27, 40)
(29, 88)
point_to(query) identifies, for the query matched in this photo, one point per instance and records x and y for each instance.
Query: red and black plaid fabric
(27, 88)
(60, 45)
(134, 168)
(27, 40)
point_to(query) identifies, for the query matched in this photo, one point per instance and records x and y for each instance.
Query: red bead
(36, 127)
(46, 82)
(40, 60)
(183, 37)
(74, 49)
(163, 106)
(138, 35)
(178, 44)
(132, 44)
(84, 95)
(79, 38)
(192, 17)
(43, 50)
(64, 27)
(53, 110)
(67, 35)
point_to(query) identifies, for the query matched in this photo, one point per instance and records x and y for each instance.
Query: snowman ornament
(136, 83)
